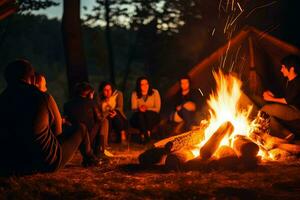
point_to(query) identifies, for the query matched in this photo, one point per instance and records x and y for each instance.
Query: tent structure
(253, 55)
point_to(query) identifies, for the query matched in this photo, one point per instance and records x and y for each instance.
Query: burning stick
(210, 147)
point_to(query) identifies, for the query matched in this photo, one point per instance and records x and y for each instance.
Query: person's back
(27, 143)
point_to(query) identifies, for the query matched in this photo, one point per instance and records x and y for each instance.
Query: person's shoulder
(133, 93)
(119, 92)
(155, 91)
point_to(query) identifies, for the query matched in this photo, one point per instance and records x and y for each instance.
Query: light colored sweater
(152, 102)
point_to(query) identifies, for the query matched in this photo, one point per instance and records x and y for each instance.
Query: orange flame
(224, 106)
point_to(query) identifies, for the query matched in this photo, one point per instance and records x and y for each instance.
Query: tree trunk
(73, 44)
(109, 43)
(132, 50)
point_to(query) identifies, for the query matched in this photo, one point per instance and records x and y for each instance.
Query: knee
(82, 129)
(267, 108)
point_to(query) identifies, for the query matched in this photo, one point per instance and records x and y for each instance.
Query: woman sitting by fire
(111, 105)
(145, 103)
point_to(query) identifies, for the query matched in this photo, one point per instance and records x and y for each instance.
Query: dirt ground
(122, 178)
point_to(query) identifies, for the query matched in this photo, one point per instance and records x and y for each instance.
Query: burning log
(177, 160)
(225, 151)
(246, 150)
(188, 139)
(226, 158)
(156, 155)
(245, 147)
(279, 154)
(210, 147)
(292, 148)
(267, 141)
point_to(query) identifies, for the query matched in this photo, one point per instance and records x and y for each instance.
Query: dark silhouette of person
(286, 108)
(55, 116)
(27, 143)
(83, 109)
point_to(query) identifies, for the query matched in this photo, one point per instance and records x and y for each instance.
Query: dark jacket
(82, 110)
(27, 143)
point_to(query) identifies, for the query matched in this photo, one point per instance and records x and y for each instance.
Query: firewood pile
(245, 152)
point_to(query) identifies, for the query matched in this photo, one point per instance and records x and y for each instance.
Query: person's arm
(157, 102)
(134, 106)
(57, 126)
(119, 102)
(97, 114)
(269, 96)
(45, 144)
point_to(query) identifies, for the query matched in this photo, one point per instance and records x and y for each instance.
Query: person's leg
(104, 130)
(119, 125)
(151, 119)
(71, 139)
(281, 112)
(138, 121)
(188, 117)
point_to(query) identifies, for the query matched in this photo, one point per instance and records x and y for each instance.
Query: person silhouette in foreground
(55, 116)
(286, 108)
(28, 144)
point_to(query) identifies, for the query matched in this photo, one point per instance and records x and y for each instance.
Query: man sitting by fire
(287, 108)
(28, 144)
(187, 103)
(83, 109)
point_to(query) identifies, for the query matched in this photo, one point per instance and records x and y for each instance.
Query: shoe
(108, 154)
(90, 161)
(104, 158)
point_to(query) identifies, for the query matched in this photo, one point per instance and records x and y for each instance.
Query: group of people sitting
(36, 138)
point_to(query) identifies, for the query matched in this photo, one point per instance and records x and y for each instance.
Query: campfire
(229, 138)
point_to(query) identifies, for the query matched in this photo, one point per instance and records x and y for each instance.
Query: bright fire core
(224, 106)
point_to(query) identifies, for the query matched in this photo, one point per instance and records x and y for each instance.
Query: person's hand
(65, 121)
(112, 113)
(143, 108)
(268, 95)
(178, 107)
(190, 106)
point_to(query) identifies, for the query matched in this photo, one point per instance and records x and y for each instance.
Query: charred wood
(210, 147)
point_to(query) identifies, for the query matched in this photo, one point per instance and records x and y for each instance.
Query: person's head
(105, 89)
(19, 70)
(143, 87)
(85, 90)
(290, 66)
(185, 83)
(40, 82)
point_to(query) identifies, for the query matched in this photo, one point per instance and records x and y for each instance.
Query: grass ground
(122, 179)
